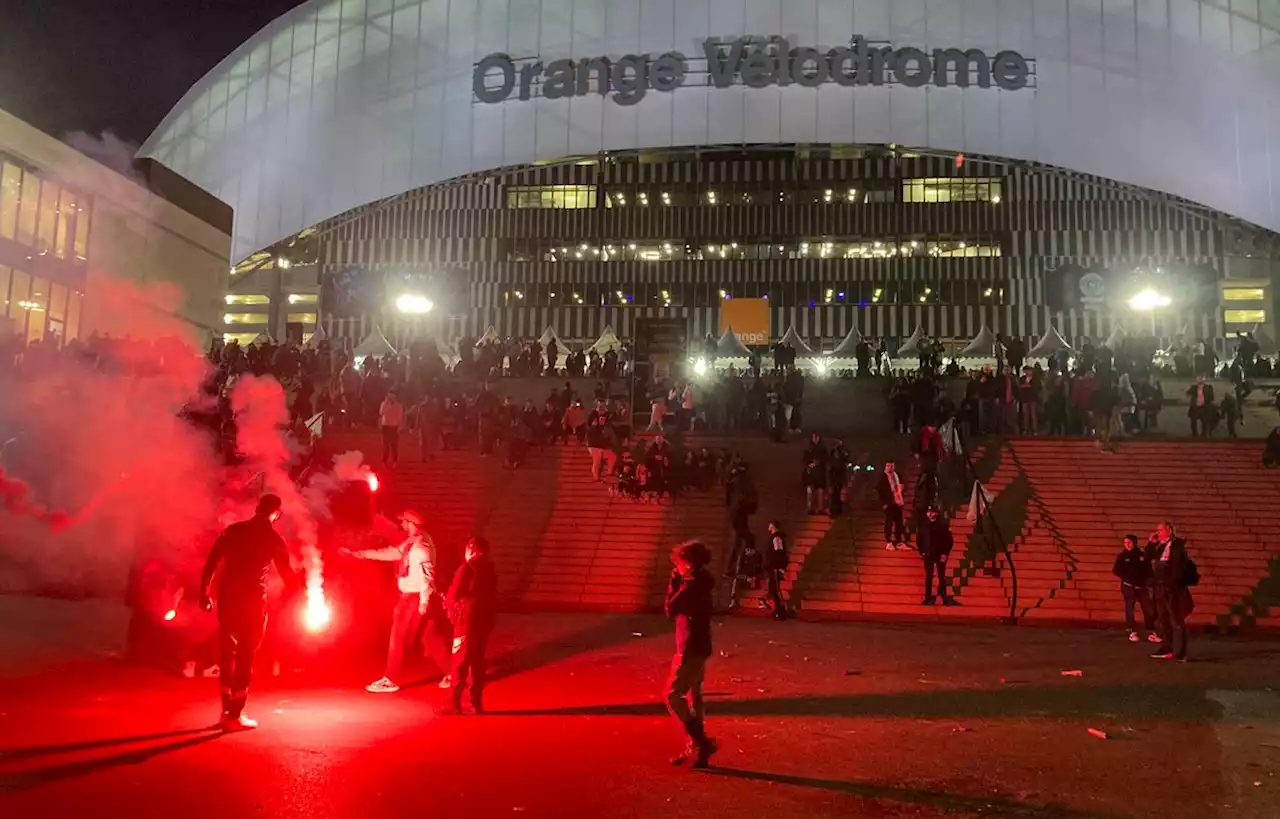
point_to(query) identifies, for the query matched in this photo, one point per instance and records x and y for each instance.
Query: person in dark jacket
(246, 551)
(891, 492)
(1168, 556)
(741, 499)
(837, 477)
(1199, 407)
(689, 604)
(1134, 571)
(935, 541)
(776, 564)
(472, 603)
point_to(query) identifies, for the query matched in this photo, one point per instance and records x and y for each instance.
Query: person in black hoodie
(472, 604)
(689, 604)
(1134, 570)
(776, 566)
(935, 541)
(741, 500)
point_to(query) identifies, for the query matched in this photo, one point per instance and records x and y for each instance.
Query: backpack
(1190, 573)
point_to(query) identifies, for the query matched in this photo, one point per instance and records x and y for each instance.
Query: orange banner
(749, 319)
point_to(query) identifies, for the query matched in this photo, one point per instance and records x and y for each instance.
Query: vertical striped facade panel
(1046, 219)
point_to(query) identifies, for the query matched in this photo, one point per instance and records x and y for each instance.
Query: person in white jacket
(419, 598)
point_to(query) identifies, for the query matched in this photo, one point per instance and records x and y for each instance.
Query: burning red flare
(373, 482)
(316, 614)
(170, 614)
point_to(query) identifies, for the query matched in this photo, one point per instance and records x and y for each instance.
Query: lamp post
(1148, 301)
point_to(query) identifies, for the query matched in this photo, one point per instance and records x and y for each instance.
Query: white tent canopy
(848, 348)
(793, 339)
(1051, 343)
(730, 346)
(374, 344)
(490, 336)
(549, 335)
(446, 351)
(982, 346)
(608, 341)
(1117, 337)
(318, 336)
(263, 338)
(911, 347)
(1266, 344)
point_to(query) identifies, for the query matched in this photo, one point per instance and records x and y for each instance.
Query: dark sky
(115, 65)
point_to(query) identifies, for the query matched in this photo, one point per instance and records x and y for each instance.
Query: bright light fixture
(1149, 300)
(414, 304)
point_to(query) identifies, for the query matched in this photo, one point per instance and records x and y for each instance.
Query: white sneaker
(889, 547)
(212, 671)
(1133, 637)
(189, 669)
(446, 681)
(240, 723)
(904, 547)
(1153, 637)
(382, 686)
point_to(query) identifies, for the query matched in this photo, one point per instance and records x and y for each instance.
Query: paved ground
(848, 720)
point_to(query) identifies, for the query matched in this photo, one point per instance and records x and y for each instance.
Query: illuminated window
(947, 189)
(37, 309)
(304, 298)
(47, 224)
(83, 211)
(10, 196)
(28, 209)
(243, 339)
(1245, 316)
(1243, 294)
(303, 318)
(19, 290)
(4, 291)
(246, 300)
(66, 215)
(244, 318)
(73, 316)
(552, 196)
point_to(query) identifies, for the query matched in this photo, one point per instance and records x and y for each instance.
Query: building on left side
(69, 224)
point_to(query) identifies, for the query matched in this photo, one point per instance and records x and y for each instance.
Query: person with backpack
(1173, 573)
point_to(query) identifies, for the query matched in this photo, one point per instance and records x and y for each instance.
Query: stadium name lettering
(628, 79)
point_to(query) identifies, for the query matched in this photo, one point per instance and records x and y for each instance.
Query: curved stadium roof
(343, 102)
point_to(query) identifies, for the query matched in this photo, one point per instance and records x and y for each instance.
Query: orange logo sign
(749, 319)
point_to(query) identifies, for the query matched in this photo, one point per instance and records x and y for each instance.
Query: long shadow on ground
(1184, 703)
(24, 780)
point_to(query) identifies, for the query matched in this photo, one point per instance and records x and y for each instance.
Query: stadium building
(822, 164)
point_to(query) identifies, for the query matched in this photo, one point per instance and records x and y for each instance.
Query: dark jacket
(1191, 399)
(246, 551)
(776, 557)
(473, 597)
(934, 538)
(1169, 576)
(885, 492)
(1132, 567)
(689, 604)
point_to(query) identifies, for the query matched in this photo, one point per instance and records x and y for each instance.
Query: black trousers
(935, 566)
(895, 531)
(1141, 596)
(775, 591)
(241, 625)
(390, 444)
(469, 666)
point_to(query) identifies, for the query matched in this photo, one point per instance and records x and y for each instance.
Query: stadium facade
(882, 164)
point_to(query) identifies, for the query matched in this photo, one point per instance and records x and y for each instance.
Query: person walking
(246, 552)
(935, 542)
(473, 600)
(1170, 573)
(689, 604)
(416, 585)
(892, 502)
(391, 419)
(1134, 570)
(776, 565)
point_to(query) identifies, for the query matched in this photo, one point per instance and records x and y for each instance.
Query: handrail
(984, 509)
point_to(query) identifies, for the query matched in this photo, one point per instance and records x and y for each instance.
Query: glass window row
(43, 215)
(37, 309)
(651, 250)
(906, 289)
(855, 192)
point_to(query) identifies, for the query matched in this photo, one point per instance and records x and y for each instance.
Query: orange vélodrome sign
(749, 319)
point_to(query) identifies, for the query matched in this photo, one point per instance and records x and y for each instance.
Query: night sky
(115, 65)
